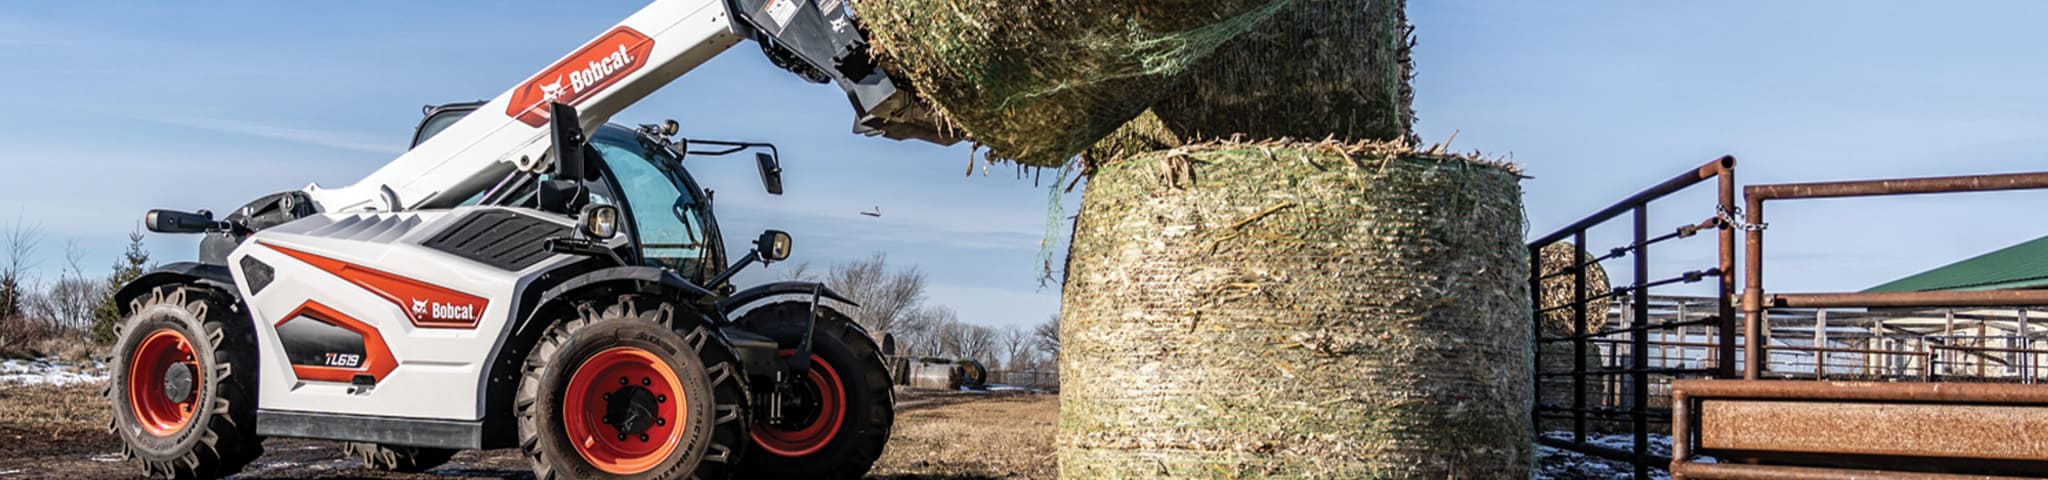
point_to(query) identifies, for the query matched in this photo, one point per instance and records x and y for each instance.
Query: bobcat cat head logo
(419, 307)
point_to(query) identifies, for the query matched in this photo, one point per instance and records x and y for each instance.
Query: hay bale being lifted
(1317, 68)
(1296, 310)
(1038, 81)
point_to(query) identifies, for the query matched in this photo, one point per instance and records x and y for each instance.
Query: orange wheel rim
(606, 410)
(822, 382)
(150, 383)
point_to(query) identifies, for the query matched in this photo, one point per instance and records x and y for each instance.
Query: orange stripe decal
(426, 305)
(377, 361)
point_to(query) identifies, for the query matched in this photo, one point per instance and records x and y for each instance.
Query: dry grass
(45, 420)
(1005, 437)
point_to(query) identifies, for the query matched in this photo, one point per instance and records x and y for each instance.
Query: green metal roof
(2015, 267)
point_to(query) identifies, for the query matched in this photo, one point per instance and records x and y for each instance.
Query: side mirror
(771, 172)
(566, 140)
(773, 246)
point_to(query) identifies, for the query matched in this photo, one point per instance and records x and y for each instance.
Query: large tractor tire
(844, 407)
(183, 384)
(393, 458)
(631, 387)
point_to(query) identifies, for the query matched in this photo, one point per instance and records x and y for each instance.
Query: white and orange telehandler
(526, 276)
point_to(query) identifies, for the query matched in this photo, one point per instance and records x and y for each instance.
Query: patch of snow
(106, 458)
(1560, 464)
(50, 371)
(11, 471)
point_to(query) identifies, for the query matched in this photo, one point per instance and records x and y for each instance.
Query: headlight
(600, 222)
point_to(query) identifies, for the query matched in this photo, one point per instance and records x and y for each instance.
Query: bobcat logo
(551, 91)
(419, 307)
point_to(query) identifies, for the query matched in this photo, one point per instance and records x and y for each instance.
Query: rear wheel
(632, 389)
(183, 385)
(837, 415)
(393, 458)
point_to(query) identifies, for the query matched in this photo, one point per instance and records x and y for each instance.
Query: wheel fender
(206, 275)
(751, 295)
(499, 422)
(640, 277)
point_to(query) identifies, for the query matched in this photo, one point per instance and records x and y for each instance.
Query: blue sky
(121, 107)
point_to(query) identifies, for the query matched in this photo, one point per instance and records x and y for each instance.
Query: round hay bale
(1038, 81)
(1557, 390)
(1318, 68)
(1557, 291)
(1311, 310)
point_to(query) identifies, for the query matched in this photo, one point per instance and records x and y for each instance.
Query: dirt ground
(60, 432)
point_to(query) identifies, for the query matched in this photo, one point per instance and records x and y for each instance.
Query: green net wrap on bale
(1318, 68)
(1310, 310)
(1038, 81)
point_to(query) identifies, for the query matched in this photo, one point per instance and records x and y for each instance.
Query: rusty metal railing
(1863, 429)
(1891, 430)
(1636, 375)
(1755, 302)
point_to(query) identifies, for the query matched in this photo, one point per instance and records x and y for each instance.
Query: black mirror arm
(752, 256)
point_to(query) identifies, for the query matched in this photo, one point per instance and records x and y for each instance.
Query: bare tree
(17, 256)
(799, 272)
(921, 333)
(885, 297)
(974, 341)
(1048, 335)
(67, 303)
(1015, 346)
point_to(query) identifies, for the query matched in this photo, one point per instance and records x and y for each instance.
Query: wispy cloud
(307, 136)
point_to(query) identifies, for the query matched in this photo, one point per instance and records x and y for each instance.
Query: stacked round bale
(1317, 310)
(1554, 296)
(1265, 279)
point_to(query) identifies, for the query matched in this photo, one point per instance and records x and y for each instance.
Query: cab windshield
(668, 217)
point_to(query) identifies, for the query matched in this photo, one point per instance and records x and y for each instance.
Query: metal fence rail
(1898, 419)
(1633, 406)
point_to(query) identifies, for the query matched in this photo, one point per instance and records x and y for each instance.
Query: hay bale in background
(1557, 357)
(1298, 310)
(1038, 81)
(1557, 291)
(1317, 68)
(1557, 390)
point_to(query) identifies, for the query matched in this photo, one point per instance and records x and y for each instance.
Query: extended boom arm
(641, 54)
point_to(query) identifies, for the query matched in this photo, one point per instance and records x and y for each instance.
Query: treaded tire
(869, 398)
(393, 458)
(219, 437)
(712, 439)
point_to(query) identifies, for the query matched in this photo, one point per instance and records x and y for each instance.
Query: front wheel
(629, 389)
(836, 416)
(183, 385)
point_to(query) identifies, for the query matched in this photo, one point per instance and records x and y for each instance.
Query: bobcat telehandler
(526, 276)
